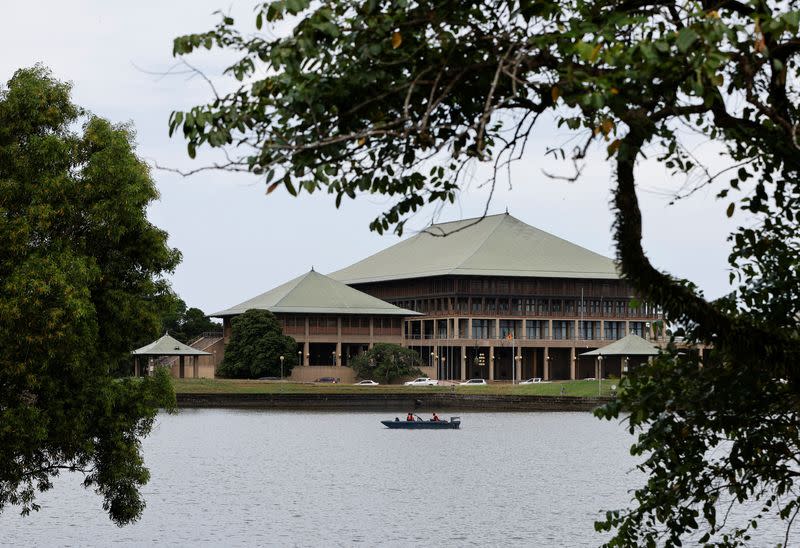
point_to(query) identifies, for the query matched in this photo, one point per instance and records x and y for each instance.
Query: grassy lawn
(231, 386)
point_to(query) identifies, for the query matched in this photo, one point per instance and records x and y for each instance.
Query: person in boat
(410, 417)
(435, 418)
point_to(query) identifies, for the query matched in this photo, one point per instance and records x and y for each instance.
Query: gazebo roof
(631, 345)
(315, 293)
(168, 346)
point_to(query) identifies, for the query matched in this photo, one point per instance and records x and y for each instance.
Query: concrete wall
(345, 374)
(302, 373)
(396, 404)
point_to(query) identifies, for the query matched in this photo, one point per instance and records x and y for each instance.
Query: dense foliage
(387, 363)
(80, 278)
(255, 348)
(402, 97)
(186, 324)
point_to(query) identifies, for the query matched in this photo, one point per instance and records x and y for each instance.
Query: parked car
(473, 382)
(333, 380)
(422, 381)
(534, 380)
(367, 382)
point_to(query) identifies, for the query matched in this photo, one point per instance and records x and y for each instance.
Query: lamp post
(444, 366)
(599, 374)
(333, 358)
(299, 357)
(282, 358)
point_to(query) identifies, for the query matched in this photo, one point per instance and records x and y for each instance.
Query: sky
(238, 242)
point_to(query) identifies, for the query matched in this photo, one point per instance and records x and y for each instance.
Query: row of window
(530, 306)
(484, 328)
(330, 322)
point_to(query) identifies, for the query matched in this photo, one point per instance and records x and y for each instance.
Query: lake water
(253, 477)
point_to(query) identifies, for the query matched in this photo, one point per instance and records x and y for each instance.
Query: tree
(256, 346)
(442, 85)
(387, 363)
(185, 323)
(80, 277)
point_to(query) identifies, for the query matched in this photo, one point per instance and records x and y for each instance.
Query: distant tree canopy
(185, 323)
(401, 98)
(257, 342)
(81, 277)
(387, 363)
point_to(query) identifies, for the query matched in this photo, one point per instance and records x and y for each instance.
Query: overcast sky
(238, 242)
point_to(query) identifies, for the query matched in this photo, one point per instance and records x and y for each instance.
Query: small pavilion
(627, 348)
(168, 346)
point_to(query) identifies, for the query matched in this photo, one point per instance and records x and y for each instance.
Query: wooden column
(306, 347)
(338, 360)
(518, 364)
(572, 363)
(546, 364)
(371, 330)
(463, 363)
(180, 367)
(194, 366)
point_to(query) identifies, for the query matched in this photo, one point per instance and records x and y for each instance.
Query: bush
(386, 363)
(256, 345)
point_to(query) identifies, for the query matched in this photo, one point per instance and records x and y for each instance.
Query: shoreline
(393, 402)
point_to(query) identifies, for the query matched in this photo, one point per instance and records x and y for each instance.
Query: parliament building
(490, 298)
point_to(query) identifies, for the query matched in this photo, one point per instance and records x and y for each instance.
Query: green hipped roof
(498, 245)
(631, 345)
(315, 293)
(168, 346)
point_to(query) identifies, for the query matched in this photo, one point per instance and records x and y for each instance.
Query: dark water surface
(241, 477)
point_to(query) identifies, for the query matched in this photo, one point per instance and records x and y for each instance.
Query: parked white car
(473, 382)
(535, 380)
(367, 382)
(422, 381)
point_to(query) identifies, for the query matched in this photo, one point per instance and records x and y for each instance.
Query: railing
(206, 335)
(526, 339)
(572, 315)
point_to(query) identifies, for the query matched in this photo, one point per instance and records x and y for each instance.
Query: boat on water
(419, 424)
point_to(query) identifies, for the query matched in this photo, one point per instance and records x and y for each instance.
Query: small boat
(418, 424)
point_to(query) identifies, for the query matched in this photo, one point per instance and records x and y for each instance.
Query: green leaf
(686, 37)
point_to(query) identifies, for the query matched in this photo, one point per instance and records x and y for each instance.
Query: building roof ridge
(483, 243)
